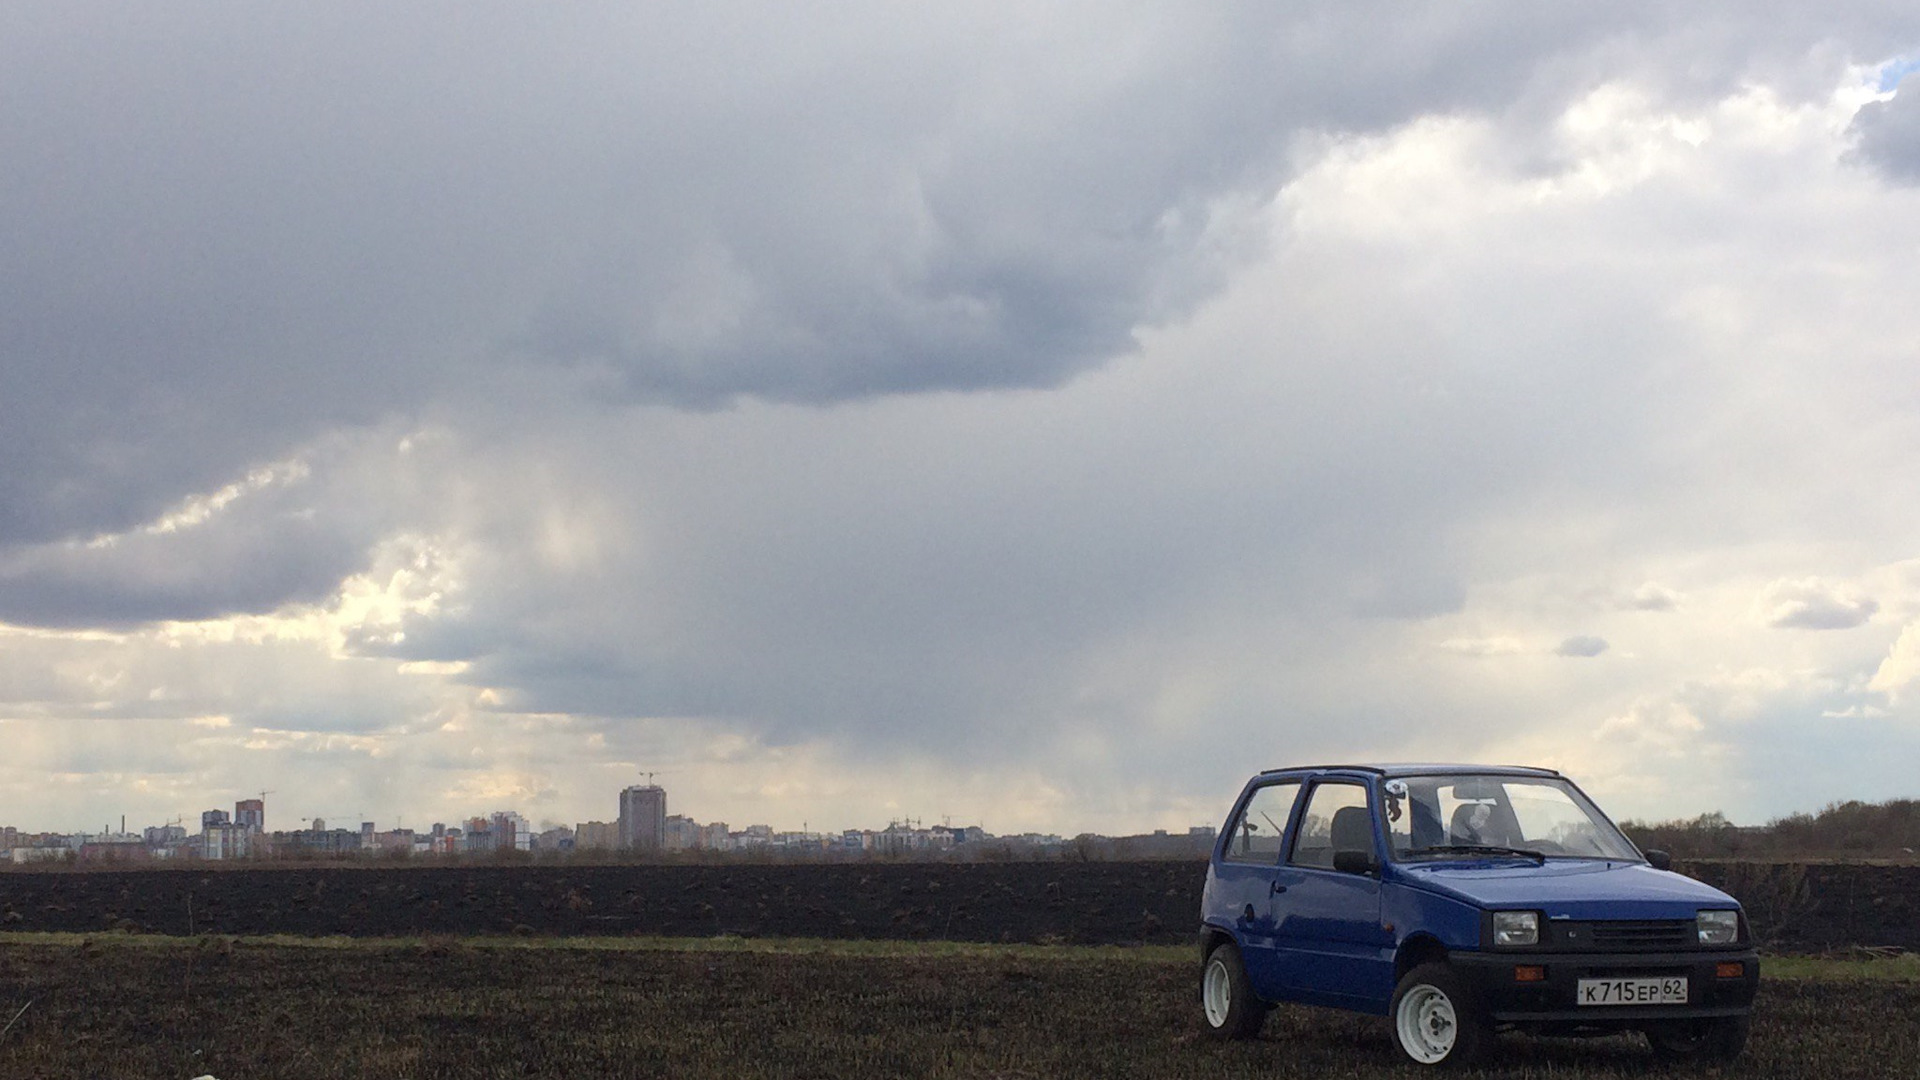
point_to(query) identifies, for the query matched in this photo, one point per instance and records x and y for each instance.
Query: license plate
(1665, 990)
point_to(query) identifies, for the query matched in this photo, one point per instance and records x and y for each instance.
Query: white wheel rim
(1216, 992)
(1426, 1024)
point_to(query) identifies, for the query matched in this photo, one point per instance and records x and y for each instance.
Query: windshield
(1430, 816)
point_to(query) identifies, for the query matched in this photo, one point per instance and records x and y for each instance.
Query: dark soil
(1071, 903)
(1790, 906)
(1821, 906)
(448, 1010)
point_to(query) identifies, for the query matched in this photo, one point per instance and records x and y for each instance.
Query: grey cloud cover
(233, 223)
(231, 226)
(1889, 133)
(998, 386)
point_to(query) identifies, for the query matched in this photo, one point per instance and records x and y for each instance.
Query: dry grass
(133, 1006)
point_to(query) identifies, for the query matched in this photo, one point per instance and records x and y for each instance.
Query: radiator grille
(1644, 935)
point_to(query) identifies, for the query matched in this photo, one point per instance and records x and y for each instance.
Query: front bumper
(1552, 999)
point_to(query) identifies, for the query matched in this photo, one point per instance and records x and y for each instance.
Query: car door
(1243, 879)
(1329, 944)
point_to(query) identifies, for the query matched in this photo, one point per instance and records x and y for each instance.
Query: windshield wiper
(1488, 849)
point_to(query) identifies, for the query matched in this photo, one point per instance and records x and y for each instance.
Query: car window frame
(1300, 809)
(1286, 826)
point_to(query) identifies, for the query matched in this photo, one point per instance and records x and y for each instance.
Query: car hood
(1569, 888)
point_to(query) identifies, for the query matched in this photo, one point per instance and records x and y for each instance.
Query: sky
(1037, 416)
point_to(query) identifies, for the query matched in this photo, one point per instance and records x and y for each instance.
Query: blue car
(1460, 901)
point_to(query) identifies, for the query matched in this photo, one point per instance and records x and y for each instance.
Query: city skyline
(252, 813)
(642, 827)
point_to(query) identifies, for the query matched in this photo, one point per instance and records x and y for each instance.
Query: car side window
(1256, 833)
(1336, 819)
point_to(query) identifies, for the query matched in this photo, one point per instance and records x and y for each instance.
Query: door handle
(1278, 888)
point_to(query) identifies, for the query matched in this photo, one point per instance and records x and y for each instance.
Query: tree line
(1843, 830)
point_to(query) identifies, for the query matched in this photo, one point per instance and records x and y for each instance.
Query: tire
(1719, 1039)
(1227, 1004)
(1437, 1020)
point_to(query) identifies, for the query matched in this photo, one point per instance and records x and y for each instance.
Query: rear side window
(1336, 819)
(1256, 833)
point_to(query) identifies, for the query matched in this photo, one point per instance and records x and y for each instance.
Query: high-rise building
(222, 838)
(595, 834)
(643, 817)
(511, 832)
(251, 814)
(682, 832)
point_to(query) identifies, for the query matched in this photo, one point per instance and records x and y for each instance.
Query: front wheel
(1436, 1020)
(1718, 1039)
(1226, 998)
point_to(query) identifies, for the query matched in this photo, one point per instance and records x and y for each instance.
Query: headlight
(1719, 927)
(1519, 927)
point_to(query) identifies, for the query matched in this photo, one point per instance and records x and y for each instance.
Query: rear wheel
(1226, 999)
(1436, 1020)
(1718, 1039)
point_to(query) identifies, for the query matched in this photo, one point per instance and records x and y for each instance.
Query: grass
(1903, 967)
(148, 1006)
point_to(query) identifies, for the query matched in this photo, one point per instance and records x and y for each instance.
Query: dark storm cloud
(231, 228)
(246, 571)
(285, 532)
(1889, 133)
(260, 546)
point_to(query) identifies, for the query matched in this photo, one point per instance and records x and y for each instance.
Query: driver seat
(1460, 829)
(1351, 830)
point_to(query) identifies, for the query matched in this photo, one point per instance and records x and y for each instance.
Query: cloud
(238, 227)
(1408, 598)
(1898, 672)
(1812, 604)
(1652, 596)
(250, 546)
(997, 408)
(1485, 646)
(1887, 134)
(1581, 645)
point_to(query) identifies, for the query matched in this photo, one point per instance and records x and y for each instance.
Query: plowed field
(141, 1006)
(1076, 903)
(1791, 906)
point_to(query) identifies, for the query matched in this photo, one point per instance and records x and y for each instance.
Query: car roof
(1418, 769)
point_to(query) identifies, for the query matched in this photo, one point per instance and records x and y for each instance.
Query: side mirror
(1658, 859)
(1353, 862)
